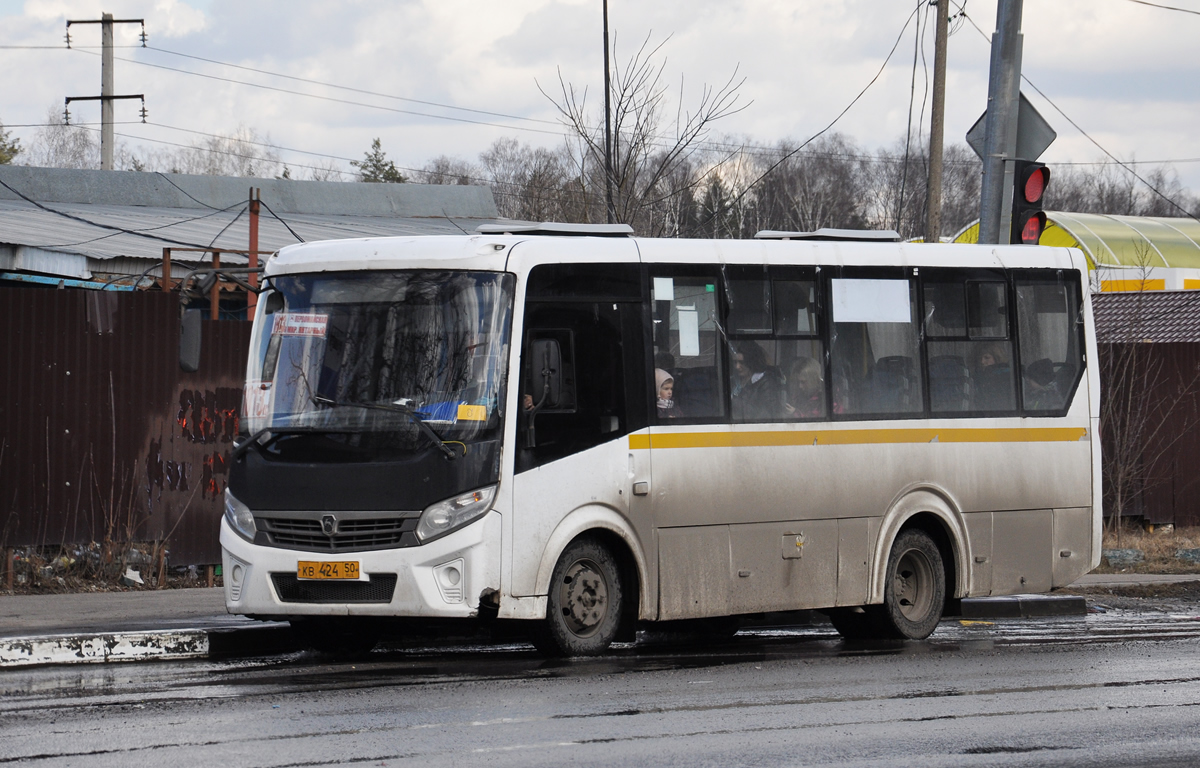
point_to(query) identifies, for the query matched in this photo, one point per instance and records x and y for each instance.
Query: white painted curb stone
(103, 648)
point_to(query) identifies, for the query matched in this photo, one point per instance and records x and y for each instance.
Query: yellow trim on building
(1140, 285)
(777, 438)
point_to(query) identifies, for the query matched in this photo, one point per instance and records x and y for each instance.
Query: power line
(912, 92)
(281, 221)
(350, 88)
(1165, 7)
(333, 99)
(66, 125)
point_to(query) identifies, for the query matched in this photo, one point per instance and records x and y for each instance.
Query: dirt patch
(1183, 597)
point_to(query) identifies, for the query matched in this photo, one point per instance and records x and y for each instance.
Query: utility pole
(1000, 124)
(252, 254)
(608, 169)
(933, 189)
(106, 96)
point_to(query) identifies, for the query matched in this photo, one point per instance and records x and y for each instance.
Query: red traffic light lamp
(1029, 187)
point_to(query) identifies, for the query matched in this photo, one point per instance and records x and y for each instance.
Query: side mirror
(547, 371)
(189, 339)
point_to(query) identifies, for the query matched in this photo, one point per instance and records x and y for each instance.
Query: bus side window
(1048, 332)
(969, 350)
(686, 340)
(874, 347)
(775, 352)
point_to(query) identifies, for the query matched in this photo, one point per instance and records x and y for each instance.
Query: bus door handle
(641, 489)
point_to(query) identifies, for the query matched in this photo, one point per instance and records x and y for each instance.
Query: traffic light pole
(1004, 83)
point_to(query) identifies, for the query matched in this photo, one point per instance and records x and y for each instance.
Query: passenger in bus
(805, 390)
(757, 386)
(1041, 387)
(993, 379)
(664, 386)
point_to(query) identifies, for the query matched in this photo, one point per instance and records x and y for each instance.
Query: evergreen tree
(376, 167)
(9, 147)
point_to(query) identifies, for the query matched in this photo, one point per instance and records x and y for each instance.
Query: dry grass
(1158, 546)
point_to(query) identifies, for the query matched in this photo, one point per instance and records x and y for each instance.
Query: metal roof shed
(100, 225)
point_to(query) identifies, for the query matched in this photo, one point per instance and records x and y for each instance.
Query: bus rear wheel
(914, 592)
(583, 608)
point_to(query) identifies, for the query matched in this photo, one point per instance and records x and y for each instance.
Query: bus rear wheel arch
(587, 602)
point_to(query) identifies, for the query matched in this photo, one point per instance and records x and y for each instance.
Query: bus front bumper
(441, 579)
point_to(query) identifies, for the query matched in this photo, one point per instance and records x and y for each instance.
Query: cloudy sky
(1126, 72)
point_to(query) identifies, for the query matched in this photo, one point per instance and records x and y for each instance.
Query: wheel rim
(913, 585)
(583, 595)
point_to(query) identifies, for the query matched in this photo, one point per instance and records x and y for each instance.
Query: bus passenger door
(573, 455)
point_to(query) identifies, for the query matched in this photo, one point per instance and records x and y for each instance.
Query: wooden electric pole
(933, 189)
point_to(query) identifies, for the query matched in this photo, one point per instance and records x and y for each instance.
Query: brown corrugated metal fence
(101, 433)
(1165, 462)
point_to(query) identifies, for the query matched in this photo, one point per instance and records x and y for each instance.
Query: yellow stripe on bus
(761, 439)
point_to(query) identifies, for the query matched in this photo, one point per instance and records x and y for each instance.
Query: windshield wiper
(242, 447)
(401, 407)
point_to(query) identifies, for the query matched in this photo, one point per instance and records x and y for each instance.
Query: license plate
(345, 569)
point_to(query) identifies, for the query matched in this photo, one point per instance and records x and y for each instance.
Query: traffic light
(1029, 187)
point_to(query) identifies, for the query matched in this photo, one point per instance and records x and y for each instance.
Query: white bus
(585, 430)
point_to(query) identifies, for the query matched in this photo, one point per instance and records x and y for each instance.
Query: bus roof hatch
(827, 233)
(556, 228)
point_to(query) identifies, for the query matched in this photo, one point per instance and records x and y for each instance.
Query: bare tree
(825, 185)
(533, 183)
(58, 145)
(1109, 188)
(648, 145)
(962, 175)
(444, 169)
(243, 153)
(327, 170)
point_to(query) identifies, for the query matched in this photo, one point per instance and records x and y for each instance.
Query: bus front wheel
(914, 593)
(583, 608)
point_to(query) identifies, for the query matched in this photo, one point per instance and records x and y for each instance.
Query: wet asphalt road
(1116, 689)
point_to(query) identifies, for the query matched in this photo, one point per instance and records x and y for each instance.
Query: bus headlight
(448, 514)
(239, 516)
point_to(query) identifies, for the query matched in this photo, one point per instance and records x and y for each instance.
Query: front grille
(292, 590)
(352, 533)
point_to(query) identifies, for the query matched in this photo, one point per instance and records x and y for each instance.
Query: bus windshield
(381, 352)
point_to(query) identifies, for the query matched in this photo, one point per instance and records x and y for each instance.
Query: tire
(914, 590)
(339, 637)
(856, 623)
(584, 606)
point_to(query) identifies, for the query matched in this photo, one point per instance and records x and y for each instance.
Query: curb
(1023, 606)
(109, 647)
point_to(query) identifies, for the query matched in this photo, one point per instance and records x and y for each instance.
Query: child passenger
(664, 385)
